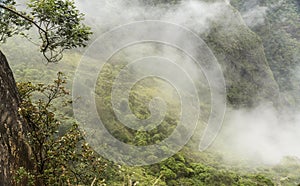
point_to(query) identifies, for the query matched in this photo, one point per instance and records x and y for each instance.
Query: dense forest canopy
(256, 44)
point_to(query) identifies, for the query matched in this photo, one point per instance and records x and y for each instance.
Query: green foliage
(178, 170)
(140, 95)
(10, 23)
(65, 158)
(281, 42)
(59, 25)
(62, 24)
(280, 36)
(24, 174)
(59, 157)
(240, 52)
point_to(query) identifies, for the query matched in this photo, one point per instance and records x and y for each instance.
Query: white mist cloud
(196, 15)
(260, 135)
(255, 16)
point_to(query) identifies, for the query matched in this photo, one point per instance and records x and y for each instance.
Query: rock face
(14, 151)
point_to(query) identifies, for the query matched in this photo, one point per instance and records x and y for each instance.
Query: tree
(59, 27)
(60, 154)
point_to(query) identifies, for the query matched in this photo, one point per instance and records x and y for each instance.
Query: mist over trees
(255, 42)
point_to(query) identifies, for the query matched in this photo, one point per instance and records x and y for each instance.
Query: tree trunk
(14, 151)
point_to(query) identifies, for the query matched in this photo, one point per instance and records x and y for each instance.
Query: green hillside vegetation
(259, 65)
(65, 157)
(280, 38)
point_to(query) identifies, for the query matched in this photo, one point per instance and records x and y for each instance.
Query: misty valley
(164, 92)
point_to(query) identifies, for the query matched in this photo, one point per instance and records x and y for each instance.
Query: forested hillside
(277, 23)
(256, 43)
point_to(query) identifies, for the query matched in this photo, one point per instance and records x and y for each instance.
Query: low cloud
(260, 135)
